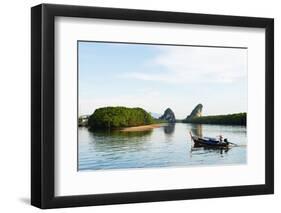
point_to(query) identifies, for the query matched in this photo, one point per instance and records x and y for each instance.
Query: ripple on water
(158, 148)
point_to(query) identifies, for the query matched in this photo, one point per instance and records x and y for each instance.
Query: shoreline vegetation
(230, 119)
(137, 119)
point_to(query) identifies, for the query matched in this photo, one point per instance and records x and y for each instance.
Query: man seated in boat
(223, 140)
(220, 138)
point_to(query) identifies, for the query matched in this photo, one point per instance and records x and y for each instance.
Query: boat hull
(202, 142)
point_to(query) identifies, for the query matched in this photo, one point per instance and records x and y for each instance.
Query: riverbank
(141, 128)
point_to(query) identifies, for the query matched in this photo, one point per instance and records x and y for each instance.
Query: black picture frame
(43, 102)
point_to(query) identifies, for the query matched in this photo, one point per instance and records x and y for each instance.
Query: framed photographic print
(139, 106)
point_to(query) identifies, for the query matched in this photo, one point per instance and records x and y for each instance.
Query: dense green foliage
(231, 119)
(118, 117)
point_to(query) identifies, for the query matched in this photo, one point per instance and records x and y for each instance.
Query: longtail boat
(209, 142)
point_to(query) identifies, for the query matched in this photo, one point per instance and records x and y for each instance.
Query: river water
(166, 146)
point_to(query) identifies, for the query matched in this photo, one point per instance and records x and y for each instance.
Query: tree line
(231, 119)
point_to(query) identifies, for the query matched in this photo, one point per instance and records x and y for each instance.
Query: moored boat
(210, 142)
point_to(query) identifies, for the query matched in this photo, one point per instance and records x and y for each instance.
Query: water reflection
(196, 129)
(198, 148)
(166, 146)
(117, 133)
(115, 140)
(169, 128)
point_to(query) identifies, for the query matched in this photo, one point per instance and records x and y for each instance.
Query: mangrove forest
(118, 117)
(231, 119)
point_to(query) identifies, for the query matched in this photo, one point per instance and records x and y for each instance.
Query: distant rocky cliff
(196, 117)
(168, 116)
(196, 112)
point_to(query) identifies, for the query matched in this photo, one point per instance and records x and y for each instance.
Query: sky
(155, 77)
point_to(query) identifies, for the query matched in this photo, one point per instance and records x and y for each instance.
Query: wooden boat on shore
(209, 142)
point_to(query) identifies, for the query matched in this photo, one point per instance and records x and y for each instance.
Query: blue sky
(155, 77)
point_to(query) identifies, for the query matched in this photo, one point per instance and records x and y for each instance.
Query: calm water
(166, 146)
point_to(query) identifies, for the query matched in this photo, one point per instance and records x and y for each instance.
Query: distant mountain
(196, 112)
(229, 119)
(168, 116)
(155, 115)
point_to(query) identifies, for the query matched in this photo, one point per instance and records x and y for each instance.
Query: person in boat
(223, 140)
(220, 138)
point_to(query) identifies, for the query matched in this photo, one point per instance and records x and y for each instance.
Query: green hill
(118, 117)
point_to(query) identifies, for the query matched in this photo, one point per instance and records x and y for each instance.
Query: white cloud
(195, 64)
(146, 98)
